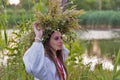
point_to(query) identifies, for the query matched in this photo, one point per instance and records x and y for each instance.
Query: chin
(59, 49)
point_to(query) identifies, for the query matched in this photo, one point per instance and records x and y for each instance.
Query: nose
(60, 40)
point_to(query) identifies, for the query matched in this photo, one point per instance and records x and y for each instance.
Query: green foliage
(3, 24)
(100, 19)
(85, 4)
(81, 72)
(96, 4)
(25, 4)
(76, 70)
(116, 73)
(17, 45)
(22, 40)
(75, 52)
(13, 20)
(41, 6)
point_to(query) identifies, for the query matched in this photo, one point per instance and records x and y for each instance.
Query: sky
(14, 2)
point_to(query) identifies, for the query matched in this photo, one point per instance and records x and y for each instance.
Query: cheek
(53, 44)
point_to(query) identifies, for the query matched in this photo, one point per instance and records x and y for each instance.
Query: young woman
(45, 60)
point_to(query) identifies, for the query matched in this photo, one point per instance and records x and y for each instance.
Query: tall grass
(100, 19)
(116, 74)
(82, 72)
(15, 69)
(16, 46)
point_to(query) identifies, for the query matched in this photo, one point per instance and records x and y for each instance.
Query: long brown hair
(51, 56)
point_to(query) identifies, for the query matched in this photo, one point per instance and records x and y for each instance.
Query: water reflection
(96, 53)
(99, 34)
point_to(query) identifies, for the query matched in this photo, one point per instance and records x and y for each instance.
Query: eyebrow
(58, 36)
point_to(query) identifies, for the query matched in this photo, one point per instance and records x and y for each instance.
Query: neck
(54, 52)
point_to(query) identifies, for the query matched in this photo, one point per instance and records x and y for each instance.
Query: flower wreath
(57, 19)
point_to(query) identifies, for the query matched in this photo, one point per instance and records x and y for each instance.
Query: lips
(60, 46)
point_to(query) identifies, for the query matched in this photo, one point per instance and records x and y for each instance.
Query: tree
(97, 4)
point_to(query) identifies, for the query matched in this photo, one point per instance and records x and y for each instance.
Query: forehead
(56, 33)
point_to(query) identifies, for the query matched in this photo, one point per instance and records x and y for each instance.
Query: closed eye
(57, 38)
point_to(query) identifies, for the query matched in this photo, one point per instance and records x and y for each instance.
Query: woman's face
(56, 41)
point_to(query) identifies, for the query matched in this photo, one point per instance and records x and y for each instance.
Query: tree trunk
(96, 48)
(100, 4)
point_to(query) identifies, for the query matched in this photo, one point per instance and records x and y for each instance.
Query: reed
(100, 19)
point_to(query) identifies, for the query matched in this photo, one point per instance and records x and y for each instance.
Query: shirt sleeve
(66, 52)
(34, 58)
